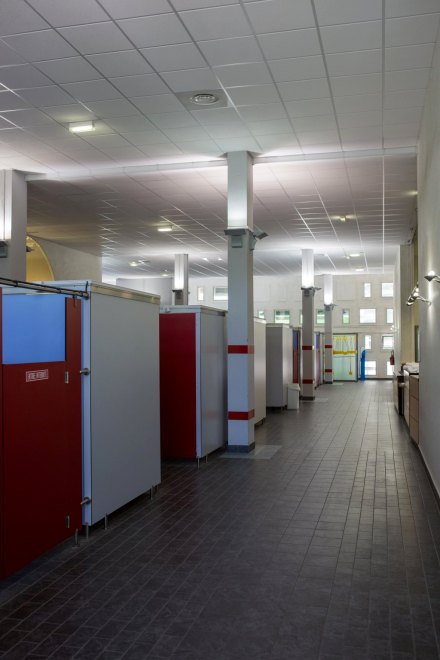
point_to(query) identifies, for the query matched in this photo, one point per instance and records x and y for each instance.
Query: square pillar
(180, 288)
(241, 242)
(13, 224)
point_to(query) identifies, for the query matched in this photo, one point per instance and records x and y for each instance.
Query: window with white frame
(370, 367)
(388, 342)
(387, 289)
(390, 315)
(390, 369)
(320, 317)
(367, 316)
(220, 293)
(261, 314)
(367, 289)
(345, 316)
(282, 316)
(200, 293)
(367, 342)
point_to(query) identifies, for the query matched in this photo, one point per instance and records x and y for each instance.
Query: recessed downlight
(81, 127)
(360, 270)
(204, 98)
(355, 254)
(165, 228)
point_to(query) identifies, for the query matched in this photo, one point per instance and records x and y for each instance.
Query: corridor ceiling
(328, 96)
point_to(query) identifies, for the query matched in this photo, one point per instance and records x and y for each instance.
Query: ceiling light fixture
(165, 228)
(342, 218)
(204, 98)
(133, 264)
(82, 126)
(360, 270)
(355, 254)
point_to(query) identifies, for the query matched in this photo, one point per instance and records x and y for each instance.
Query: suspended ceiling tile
(67, 70)
(134, 8)
(279, 15)
(66, 12)
(159, 30)
(236, 50)
(121, 63)
(216, 22)
(44, 45)
(174, 57)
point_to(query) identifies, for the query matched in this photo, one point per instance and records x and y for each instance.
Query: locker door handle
(85, 372)
(85, 501)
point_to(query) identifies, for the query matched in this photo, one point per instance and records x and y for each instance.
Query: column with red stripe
(328, 332)
(308, 328)
(241, 241)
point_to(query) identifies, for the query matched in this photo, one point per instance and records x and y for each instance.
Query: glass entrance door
(345, 357)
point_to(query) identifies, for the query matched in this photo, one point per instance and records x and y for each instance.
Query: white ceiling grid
(316, 80)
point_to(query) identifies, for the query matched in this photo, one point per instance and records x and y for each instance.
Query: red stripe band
(308, 381)
(237, 415)
(328, 346)
(242, 349)
(328, 371)
(307, 348)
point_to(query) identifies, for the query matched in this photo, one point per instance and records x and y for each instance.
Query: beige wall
(429, 259)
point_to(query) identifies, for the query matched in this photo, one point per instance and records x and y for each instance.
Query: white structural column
(240, 303)
(308, 326)
(13, 224)
(328, 332)
(180, 288)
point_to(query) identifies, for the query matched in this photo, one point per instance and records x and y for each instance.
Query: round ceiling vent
(204, 99)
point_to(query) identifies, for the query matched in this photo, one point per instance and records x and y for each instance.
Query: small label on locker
(40, 374)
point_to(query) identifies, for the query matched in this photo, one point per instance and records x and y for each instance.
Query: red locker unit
(40, 432)
(192, 381)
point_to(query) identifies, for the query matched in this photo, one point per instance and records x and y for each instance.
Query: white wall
(429, 259)
(161, 286)
(70, 264)
(271, 293)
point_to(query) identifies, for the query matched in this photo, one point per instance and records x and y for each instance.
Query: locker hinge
(85, 372)
(66, 377)
(67, 522)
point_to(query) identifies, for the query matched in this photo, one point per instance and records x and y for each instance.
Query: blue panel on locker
(33, 328)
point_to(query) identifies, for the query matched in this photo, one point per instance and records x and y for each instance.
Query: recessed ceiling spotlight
(133, 264)
(342, 218)
(360, 270)
(81, 126)
(355, 254)
(219, 259)
(204, 98)
(205, 259)
(346, 256)
(165, 228)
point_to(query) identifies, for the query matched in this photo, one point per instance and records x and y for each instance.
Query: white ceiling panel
(253, 94)
(10, 101)
(71, 69)
(156, 104)
(44, 45)
(66, 12)
(96, 38)
(352, 37)
(92, 90)
(298, 68)
(409, 57)
(16, 16)
(131, 86)
(407, 79)
(369, 83)
(354, 63)
(411, 30)
(133, 8)
(216, 22)
(396, 8)
(278, 15)
(251, 73)
(174, 57)
(291, 43)
(231, 51)
(50, 95)
(112, 108)
(159, 30)
(121, 63)
(333, 12)
(190, 80)
(21, 76)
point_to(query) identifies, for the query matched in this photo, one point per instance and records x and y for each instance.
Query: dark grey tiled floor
(327, 550)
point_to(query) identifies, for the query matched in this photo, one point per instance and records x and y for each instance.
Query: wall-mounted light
(415, 295)
(432, 276)
(81, 126)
